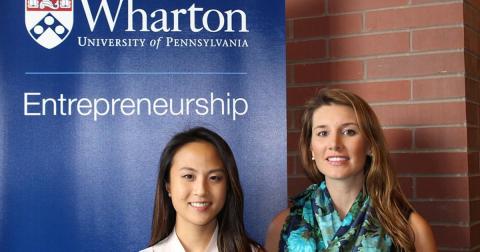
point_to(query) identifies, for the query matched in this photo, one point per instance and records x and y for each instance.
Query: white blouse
(172, 244)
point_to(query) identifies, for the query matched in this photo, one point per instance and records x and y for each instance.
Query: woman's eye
(188, 176)
(322, 133)
(349, 132)
(216, 178)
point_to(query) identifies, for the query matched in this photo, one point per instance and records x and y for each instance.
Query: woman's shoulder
(424, 240)
(281, 217)
(149, 249)
(166, 244)
(278, 221)
(155, 248)
(273, 234)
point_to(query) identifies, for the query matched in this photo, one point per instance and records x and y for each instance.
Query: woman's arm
(424, 240)
(273, 234)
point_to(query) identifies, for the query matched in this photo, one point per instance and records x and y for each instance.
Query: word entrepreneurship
(36, 105)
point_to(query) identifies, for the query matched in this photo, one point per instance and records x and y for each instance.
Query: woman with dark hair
(199, 200)
(357, 203)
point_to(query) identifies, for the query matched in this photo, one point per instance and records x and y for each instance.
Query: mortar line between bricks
(412, 127)
(471, 6)
(373, 105)
(413, 151)
(435, 175)
(472, 53)
(428, 126)
(453, 249)
(413, 6)
(473, 102)
(474, 248)
(373, 33)
(473, 29)
(440, 200)
(378, 80)
(470, 77)
(410, 6)
(375, 57)
(416, 102)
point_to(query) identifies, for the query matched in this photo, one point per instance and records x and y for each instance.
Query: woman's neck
(344, 193)
(195, 238)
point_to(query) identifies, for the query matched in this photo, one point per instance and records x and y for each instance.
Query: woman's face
(337, 145)
(198, 184)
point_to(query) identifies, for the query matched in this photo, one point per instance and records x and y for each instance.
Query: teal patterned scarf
(314, 225)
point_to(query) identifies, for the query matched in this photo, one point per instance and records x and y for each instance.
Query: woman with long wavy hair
(199, 201)
(356, 203)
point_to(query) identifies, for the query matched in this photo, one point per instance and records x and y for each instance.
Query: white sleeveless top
(172, 244)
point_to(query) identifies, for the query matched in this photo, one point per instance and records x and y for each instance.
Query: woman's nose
(200, 188)
(334, 148)
(334, 143)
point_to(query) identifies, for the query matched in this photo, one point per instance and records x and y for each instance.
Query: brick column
(417, 62)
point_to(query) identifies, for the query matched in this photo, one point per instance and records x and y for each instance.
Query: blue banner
(91, 91)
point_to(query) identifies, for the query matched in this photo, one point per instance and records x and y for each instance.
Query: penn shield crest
(49, 21)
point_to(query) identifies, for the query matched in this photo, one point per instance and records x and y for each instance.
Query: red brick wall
(472, 66)
(417, 62)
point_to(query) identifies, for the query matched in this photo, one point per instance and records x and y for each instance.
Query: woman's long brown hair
(391, 207)
(231, 231)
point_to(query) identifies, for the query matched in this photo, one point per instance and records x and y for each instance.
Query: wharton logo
(49, 21)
